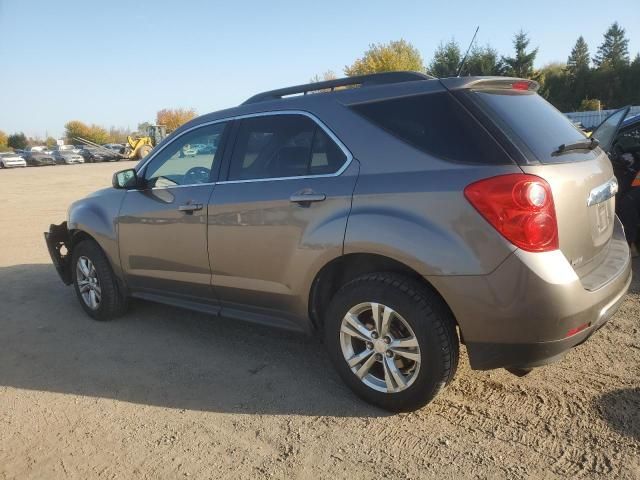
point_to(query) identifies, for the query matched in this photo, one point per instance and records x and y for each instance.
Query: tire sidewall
(90, 250)
(423, 319)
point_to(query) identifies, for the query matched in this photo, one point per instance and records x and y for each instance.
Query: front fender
(97, 216)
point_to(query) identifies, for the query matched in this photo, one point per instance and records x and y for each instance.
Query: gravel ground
(165, 393)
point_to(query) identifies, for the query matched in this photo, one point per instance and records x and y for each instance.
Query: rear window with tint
(530, 121)
(436, 124)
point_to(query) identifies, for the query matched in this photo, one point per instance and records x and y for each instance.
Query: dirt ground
(165, 393)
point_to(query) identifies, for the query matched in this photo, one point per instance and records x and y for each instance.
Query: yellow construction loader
(137, 147)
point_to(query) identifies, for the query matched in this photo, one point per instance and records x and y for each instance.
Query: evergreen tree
(521, 65)
(579, 59)
(579, 75)
(17, 141)
(446, 60)
(483, 61)
(614, 51)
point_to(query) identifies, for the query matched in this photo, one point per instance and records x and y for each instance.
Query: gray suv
(395, 215)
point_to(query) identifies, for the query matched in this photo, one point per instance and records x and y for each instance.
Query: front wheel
(392, 340)
(95, 283)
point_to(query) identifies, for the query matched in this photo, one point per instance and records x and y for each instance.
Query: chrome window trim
(320, 123)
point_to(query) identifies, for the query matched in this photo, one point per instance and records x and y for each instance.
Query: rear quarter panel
(423, 220)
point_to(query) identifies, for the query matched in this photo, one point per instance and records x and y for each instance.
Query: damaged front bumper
(58, 243)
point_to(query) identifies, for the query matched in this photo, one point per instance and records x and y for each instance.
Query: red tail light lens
(520, 207)
(522, 85)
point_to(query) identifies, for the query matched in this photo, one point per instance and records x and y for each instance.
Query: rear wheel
(2, 165)
(95, 283)
(392, 340)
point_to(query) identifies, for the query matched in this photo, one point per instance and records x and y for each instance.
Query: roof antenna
(467, 53)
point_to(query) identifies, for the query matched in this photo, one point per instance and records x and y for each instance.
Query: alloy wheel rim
(380, 347)
(88, 283)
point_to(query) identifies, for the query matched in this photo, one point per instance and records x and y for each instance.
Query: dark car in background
(116, 147)
(621, 137)
(36, 157)
(97, 155)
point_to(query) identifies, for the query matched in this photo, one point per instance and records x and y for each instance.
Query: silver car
(393, 219)
(66, 154)
(10, 160)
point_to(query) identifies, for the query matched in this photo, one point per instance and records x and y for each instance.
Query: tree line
(608, 80)
(172, 118)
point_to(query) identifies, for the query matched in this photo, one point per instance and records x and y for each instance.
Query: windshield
(533, 124)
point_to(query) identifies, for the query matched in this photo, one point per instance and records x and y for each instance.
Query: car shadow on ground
(159, 355)
(621, 410)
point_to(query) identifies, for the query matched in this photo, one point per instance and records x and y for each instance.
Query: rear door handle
(190, 207)
(307, 197)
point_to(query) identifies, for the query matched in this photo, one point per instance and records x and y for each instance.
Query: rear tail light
(520, 207)
(523, 85)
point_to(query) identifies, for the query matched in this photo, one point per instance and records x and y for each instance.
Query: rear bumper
(487, 356)
(58, 242)
(526, 312)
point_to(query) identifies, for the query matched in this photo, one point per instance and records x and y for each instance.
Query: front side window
(280, 146)
(188, 160)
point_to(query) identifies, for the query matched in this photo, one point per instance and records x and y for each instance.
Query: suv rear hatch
(545, 143)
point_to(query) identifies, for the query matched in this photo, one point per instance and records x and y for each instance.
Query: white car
(9, 160)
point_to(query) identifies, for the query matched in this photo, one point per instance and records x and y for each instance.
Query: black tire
(428, 317)
(113, 302)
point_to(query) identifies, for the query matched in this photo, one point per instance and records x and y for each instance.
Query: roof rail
(360, 80)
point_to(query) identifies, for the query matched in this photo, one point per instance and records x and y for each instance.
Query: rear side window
(436, 124)
(280, 146)
(533, 123)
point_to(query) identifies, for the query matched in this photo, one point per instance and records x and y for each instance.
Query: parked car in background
(116, 147)
(96, 155)
(65, 154)
(393, 220)
(9, 160)
(189, 151)
(36, 157)
(204, 148)
(620, 135)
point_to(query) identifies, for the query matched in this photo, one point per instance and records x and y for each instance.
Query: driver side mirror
(125, 179)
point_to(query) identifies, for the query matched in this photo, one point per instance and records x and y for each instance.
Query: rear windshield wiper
(587, 144)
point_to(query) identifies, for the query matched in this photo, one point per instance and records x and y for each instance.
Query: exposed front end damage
(58, 242)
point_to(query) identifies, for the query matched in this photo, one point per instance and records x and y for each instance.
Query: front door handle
(190, 207)
(307, 198)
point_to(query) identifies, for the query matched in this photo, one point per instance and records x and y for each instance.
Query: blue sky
(118, 62)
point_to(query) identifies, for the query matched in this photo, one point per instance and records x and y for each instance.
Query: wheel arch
(347, 267)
